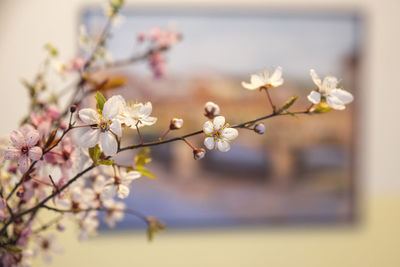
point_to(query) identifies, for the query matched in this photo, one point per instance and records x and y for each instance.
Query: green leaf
(153, 227)
(322, 107)
(142, 158)
(94, 153)
(145, 172)
(106, 162)
(288, 103)
(100, 101)
(51, 49)
(13, 249)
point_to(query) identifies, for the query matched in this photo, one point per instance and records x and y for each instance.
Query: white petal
(314, 97)
(335, 103)
(148, 121)
(123, 191)
(223, 145)
(112, 107)
(109, 191)
(109, 143)
(257, 80)
(219, 122)
(116, 127)
(250, 86)
(277, 83)
(87, 137)
(277, 75)
(89, 116)
(329, 84)
(208, 127)
(230, 133)
(266, 73)
(209, 142)
(146, 109)
(343, 95)
(132, 175)
(35, 153)
(315, 78)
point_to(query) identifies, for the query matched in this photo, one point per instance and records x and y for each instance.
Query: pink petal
(32, 138)
(26, 128)
(23, 163)
(17, 139)
(35, 153)
(12, 154)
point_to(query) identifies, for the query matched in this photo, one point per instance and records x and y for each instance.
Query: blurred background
(313, 191)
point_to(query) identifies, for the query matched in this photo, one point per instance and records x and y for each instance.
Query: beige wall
(25, 25)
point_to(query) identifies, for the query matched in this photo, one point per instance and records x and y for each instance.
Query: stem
(140, 135)
(270, 100)
(189, 144)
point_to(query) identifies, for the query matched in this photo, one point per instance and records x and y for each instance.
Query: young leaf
(142, 158)
(100, 101)
(153, 227)
(106, 162)
(13, 249)
(112, 83)
(51, 49)
(94, 153)
(288, 103)
(145, 172)
(322, 107)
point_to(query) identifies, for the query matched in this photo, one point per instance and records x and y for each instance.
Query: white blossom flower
(47, 246)
(119, 185)
(336, 98)
(218, 134)
(104, 127)
(88, 225)
(115, 213)
(137, 114)
(264, 80)
(78, 200)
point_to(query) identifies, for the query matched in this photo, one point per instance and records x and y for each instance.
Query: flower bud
(176, 124)
(199, 153)
(259, 128)
(73, 108)
(20, 192)
(211, 110)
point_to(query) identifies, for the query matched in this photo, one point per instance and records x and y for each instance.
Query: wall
(25, 25)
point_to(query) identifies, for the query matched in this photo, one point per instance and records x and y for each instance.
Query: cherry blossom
(24, 148)
(218, 134)
(327, 89)
(119, 185)
(264, 80)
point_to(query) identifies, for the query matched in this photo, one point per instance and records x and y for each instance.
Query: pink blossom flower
(63, 155)
(24, 147)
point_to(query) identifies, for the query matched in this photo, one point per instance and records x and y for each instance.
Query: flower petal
(335, 103)
(23, 163)
(277, 75)
(209, 142)
(329, 84)
(35, 153)
(112, 107)
(223, 145)
(12, 154)
(17, 139)
(109, 143)
(123, 191)
(109, 191)
(208, 127)
(148, 121)
(116, 127)
(230, 133)
(132, 175)
(32, 138)
(315, 78)
(257, 80)
(89, 116)
(314, 97)
(147, 109)
(250, 86)
(219, 122)
(87, 137)
(343, 95)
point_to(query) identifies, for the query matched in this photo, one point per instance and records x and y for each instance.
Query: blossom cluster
(63, 160)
